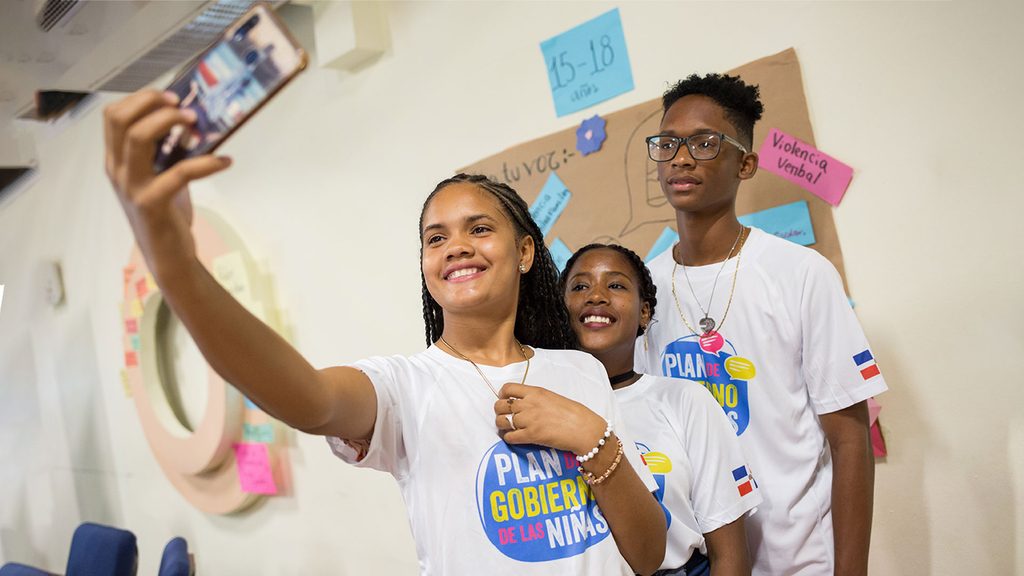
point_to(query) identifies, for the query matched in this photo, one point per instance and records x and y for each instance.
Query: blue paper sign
(560, 253)
(588, 64)
(664, 242)
(549, 204)
(789, 221)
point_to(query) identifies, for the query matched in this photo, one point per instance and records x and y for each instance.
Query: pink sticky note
(254, 470)
(805, 165)
(878, 441)
(873, 409)
(131, 326)
(141, 288)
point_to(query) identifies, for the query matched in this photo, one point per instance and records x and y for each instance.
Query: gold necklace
(711, 330)
(481, 372)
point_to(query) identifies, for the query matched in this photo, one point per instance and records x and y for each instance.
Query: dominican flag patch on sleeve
(866, 363)
(744, 480)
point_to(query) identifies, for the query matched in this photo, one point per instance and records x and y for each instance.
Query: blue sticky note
(588, 64)
(549, 203)
(789, 221)
(560, 253)
(664, 242)
(249, 405)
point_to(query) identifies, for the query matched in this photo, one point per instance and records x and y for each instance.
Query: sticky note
(141, 288)
(125, 384)
(789, 221)
(135, 342)
(664, 242)
(805, 165)
(249, 405)
(560, 253)
(550, 202)
(254, 470)
(130, 358)
(258, 432)
(131, 325)
(136, 308)
(588, 64)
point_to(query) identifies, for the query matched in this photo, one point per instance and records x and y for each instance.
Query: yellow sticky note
(136, 308)
(124, 383)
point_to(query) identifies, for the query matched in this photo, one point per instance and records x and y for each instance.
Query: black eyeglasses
(662, 148)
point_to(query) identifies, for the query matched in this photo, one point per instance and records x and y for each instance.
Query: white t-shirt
(792, 349)
(692, 451)
(476, 504)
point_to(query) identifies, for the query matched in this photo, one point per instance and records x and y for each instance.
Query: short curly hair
(741, 101)
(648, 290)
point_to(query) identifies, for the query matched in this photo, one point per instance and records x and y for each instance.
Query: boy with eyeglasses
(765, 325)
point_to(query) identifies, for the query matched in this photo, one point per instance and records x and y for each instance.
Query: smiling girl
(686, 440)
(507, 453)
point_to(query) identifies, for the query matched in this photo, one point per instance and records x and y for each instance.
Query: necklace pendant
(707, 325)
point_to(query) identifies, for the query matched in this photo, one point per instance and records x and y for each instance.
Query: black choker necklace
(621, 378)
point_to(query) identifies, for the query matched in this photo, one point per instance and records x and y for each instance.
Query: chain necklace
(707, 324)
(481, 372)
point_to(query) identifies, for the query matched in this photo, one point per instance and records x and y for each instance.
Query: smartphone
(232, 79)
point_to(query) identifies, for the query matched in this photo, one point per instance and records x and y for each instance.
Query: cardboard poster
(615, 195)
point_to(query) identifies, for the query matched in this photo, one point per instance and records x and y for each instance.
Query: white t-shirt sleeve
(597, 376)
(838, 365)
(386, 450)
(723, 488)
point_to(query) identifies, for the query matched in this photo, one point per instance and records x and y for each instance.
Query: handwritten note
(805, 165)
(588, 64)
(560, 253)
(254, 470)
(549, 203)
(664, 242)
(789, 221)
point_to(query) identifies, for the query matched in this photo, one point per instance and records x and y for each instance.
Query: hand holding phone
(232, 79)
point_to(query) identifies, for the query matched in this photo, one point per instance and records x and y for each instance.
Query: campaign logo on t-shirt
(534, 505)
(712, 361)
(659, 464)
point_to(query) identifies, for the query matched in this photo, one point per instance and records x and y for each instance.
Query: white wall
(923, 99)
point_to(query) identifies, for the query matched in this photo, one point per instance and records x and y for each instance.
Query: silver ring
(511, 421)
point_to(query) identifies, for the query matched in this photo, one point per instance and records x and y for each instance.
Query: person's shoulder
(672, 390)
(570, 358)
(774, 253)
(423, 361)
(661, 265)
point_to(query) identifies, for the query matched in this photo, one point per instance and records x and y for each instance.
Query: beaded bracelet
(592, 480)
(600, 443)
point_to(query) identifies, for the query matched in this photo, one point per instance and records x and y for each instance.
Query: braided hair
(648, 291)
(541, 317)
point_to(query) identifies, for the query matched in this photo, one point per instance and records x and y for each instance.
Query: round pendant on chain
(707, 324)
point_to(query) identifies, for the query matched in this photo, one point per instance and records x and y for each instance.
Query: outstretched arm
(243, 350)
(549, 419)
(853, 480)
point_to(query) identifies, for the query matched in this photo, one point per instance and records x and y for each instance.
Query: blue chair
(15, 569)
(176, 560)
(98, 550)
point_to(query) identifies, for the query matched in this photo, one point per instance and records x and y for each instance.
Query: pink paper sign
(254, 470)
(805, 165)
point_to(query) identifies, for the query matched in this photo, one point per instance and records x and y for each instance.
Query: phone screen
(226, 84)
